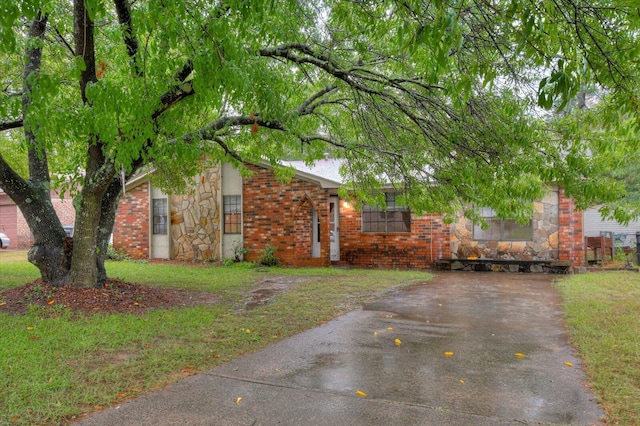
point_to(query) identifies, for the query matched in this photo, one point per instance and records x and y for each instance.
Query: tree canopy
(442, 98)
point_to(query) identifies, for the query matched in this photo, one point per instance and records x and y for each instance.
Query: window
(394, 219)
(502, 229)
(159, 215)
(232, 205)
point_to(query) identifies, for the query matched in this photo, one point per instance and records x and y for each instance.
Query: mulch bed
(116, 297)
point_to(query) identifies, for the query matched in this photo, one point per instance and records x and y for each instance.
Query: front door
(334, 228)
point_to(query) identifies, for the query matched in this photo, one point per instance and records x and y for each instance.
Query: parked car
(4, 241)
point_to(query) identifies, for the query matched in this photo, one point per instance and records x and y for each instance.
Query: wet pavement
(467, 348)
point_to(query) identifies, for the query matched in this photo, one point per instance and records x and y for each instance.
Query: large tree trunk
(107, 219)
(51, 252)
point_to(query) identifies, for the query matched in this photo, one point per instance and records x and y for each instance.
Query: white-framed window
(394, 218)
(502, 229)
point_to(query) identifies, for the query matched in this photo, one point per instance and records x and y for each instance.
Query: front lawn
(56, 365)
(603, 316)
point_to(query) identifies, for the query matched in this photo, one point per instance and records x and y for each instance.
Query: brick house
(13, 223)
(307, 224)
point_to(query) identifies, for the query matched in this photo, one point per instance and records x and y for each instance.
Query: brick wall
(131, 227)
(64, 209)
(420, 248)
(570, 239)
(280, 215)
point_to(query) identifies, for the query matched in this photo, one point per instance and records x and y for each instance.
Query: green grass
(55, 366)
(603, 316)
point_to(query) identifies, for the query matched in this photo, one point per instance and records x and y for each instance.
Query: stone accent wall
(131, 226)
(544, 244)
(195, 219)
(420, 248)
(280, 215)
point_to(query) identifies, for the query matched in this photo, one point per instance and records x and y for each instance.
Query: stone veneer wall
(543, 246)
(195, 219)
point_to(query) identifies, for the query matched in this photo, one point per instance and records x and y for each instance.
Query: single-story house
(307, 223)
(13, 223)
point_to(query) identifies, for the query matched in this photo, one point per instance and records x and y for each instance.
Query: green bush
(113, 254)
(268, 257)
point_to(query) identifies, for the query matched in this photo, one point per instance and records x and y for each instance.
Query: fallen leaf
(14, 419)
(375, 333)
(439, 304)
(34, 337)
(568, 364)
(29, 328)
(3, 303)
(248, 330)
(448, 353)
(238, 400)
(615, 345)
(388, 316)
(519, 355)
(461, 381)
(122, 395)
(390, 328)
(51, 302)
(360, 393)
(398, 342)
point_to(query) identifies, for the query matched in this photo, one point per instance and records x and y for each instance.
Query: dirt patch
(116, 297)
(269, 287)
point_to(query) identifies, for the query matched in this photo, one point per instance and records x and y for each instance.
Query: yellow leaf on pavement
(360, 393)
(519, 355)
(568, 364)
(448, 353)
(238, 400)
(398, 342)
(390, 328)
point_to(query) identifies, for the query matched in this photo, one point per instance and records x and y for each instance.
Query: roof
(326, 171)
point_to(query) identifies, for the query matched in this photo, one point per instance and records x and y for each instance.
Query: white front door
(334, 228)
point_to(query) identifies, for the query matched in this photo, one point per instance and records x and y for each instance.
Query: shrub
(268, 257)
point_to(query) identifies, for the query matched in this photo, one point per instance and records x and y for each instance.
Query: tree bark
(33, 197)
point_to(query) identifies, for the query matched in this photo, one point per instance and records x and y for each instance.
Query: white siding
(594, 224)
(231, 185)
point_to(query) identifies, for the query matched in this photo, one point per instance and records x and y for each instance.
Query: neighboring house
(595, 226)
(13, 223)
(305, 221)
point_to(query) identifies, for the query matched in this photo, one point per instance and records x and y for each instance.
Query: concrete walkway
(473, 349)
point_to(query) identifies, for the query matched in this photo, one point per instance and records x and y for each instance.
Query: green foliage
(113, 254)
(268, 257)
(439, 99)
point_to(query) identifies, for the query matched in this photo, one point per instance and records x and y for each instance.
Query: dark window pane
(232, 207)
(394, 219)
(159, 216)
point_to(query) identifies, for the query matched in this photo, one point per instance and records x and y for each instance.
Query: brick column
(570, 236)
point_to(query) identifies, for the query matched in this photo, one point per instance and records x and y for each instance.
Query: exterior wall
(8, 214)
(131, 226)
(571, 231)
(544, 244)
(195, 219)
(231, 185)
(280, 215)
(419, 249)
(18, 230)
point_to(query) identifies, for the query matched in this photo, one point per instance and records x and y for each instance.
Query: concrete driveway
(467, 348)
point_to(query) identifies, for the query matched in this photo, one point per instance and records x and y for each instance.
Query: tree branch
(8, 125)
